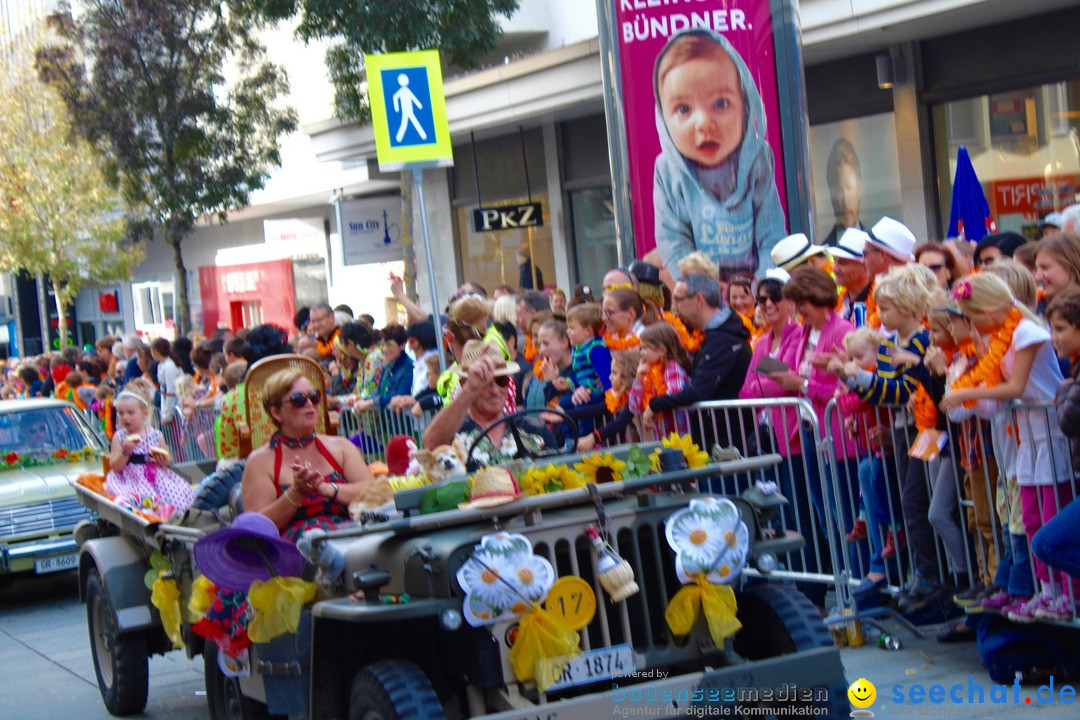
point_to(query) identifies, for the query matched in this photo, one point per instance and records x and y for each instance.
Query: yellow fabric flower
(203, 593)
(166, 598)
(277, 603)
(601, 468)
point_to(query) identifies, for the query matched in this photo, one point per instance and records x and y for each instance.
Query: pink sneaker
(1024, 612)
(998, 600)
(1055, 608)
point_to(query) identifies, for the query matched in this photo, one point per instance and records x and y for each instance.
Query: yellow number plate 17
(573, 601)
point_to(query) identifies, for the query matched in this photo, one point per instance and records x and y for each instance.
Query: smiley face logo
(862, 694)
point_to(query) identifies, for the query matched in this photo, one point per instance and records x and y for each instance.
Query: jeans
(1014, 566)
(877, 480)
(1055, 544)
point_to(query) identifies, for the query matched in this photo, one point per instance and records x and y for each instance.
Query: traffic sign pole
(418, 181)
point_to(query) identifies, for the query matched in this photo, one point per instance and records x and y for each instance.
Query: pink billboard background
(642, 31)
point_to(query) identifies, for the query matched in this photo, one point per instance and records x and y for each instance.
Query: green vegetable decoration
(445, 497)
(638, 463)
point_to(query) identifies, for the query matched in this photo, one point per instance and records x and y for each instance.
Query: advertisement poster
(856, 174)
(370, 230)
(699, 90)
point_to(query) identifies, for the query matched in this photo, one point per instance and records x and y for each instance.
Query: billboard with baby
(700, 101)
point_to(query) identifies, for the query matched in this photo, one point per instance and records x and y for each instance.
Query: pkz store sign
(509, 217)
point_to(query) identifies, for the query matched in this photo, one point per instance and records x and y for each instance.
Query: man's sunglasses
(299, 399)
(500, 380)
(38, 429)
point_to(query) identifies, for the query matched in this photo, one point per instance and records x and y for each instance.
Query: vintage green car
(43, 443)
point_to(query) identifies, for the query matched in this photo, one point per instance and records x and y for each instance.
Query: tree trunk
(407, 244)
(183, 313)
(61, 314)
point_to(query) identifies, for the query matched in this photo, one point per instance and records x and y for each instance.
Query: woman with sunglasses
(939, 261)
(301, 479)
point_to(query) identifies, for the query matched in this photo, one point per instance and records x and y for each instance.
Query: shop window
(595, 245)
(491, 257)
(856, 174)
(1028, 164)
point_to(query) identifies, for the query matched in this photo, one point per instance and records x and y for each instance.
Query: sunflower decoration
(544, 479)
(601, 467)
(502, 578)
(695, 457)
(710, 540)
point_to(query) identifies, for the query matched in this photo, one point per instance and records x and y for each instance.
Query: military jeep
(390, 641)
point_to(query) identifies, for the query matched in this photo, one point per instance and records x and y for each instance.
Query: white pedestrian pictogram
(404, 100)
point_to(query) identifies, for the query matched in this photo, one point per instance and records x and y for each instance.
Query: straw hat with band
(851, 245)
(794, 250)
(894, 238)
(491, 487)
(476, 350)
(247, 550)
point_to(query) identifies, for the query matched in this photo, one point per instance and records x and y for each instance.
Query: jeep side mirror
(369, 581)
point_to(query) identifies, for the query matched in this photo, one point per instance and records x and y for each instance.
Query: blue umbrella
(969, 218)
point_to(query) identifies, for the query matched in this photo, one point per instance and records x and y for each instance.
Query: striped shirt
(889, 385)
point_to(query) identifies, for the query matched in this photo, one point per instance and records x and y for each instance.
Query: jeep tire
(393, 690)
(780, 620)
(223, 694)
(120, 660)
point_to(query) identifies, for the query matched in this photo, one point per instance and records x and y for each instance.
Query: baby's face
(703, 109)
(863, 354)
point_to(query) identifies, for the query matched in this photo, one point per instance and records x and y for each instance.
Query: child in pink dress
(139, 476)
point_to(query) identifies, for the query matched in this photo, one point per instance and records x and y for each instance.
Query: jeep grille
(41, 518)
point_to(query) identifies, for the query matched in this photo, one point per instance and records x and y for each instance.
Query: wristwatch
(805, 386)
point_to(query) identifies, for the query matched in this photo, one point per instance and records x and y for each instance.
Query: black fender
(122, 564)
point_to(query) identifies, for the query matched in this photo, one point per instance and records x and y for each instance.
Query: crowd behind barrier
(965, 527)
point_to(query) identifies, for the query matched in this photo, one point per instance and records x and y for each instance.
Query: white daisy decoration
(502, 578)
(709, 538)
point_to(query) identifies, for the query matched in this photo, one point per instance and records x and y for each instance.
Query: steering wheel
(522, 451)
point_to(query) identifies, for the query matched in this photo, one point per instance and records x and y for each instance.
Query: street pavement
(47, 671)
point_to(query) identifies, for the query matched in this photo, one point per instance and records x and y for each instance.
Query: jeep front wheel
(120, 661)
(223, 694)
(393, 690)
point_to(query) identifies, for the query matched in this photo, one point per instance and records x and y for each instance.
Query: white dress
(1042, 457)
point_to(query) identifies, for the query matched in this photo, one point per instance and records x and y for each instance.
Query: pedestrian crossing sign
(408, 110)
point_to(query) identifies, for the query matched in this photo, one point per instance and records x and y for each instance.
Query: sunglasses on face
(776, 297)
(500, 380)
(38, 429)
(299, 399)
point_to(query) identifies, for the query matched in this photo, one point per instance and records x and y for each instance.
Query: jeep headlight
(450, 619)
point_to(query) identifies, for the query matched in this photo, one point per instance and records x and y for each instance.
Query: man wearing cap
(1051, 224)
(484, 375)
(889, 244)
(721, 363)
(850, 269)
(796, 249)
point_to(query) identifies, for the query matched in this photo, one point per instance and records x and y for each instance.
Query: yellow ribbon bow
(720, 607)
(277, 604)
(541, 639)
(166, 598)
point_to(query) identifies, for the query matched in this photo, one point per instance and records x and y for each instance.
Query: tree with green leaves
(463, 31)
(58, 216)
(182, 98)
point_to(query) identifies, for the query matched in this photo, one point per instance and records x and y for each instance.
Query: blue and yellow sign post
(408, 114)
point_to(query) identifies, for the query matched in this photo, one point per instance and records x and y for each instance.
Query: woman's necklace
(291, 442)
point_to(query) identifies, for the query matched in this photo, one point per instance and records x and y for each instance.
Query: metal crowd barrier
(953, 520)
(372, 429)
(191, 438)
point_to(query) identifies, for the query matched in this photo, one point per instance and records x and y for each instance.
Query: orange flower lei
(617, 343)
(614, 402)
(530, 349)
(926, 412)
(653, 385)
(690, 340)
(987, 372)
(872, 318)
(748, 323)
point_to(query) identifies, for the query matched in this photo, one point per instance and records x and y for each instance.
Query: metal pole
(418, 181)
(615, 115)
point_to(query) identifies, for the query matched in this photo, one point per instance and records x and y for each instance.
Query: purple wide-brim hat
(222, 558)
